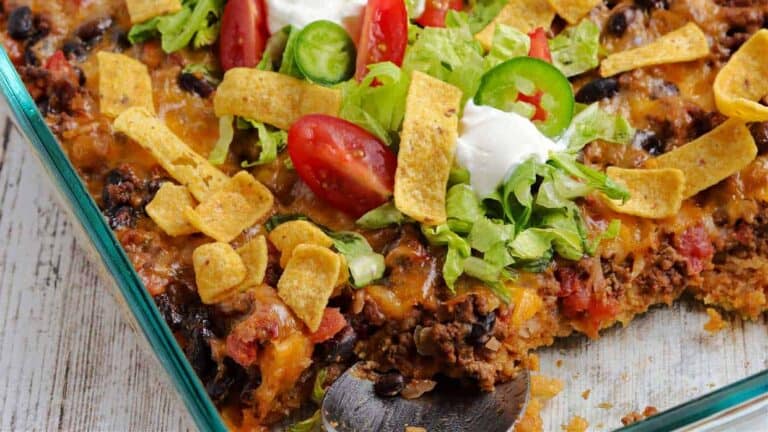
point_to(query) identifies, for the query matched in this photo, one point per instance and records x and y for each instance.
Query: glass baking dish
(617, 369)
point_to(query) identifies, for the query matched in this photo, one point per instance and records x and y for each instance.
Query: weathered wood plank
(68, 360)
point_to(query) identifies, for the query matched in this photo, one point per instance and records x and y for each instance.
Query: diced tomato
(342, 163)
(540, 114)
(579, 303)
(539, 45)
(696, 246)
(384, 35)
(241, 351)
(332, 323)
(60, 68)
(246, 338)
(243, 33)
(435, 12)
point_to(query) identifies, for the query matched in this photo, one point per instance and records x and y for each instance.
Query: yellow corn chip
(273, 98)
(427, 147)
(712, 157)
(123, 83)
(288, 235)
(218, 270)
(523, 15)
(654, 193)
(239, 204)
(182, 163)
(142, 10)
(742, 82)
(255, 256)
(573, 10)
(343, 272)
(167, 209)
(308, 281)
(684, 44)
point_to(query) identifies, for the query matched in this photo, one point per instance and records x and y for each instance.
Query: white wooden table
(68, 360)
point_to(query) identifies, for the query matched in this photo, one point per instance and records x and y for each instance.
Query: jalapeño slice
(532, 88)
(325, 53)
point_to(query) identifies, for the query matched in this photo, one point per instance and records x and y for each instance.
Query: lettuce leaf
(592, 124)
(575, 50)
(288, 64)
(377, 108)
(482, 12)
(592, 177)
(226, 134)
(197, 23)
(450, 54)
(271, 141)
(365, 265)
(508, 43)
(463, 208)
(381, 217)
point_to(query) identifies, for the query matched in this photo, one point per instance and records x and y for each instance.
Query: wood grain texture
(68, 360)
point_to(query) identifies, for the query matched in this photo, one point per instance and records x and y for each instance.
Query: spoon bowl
(351, 405)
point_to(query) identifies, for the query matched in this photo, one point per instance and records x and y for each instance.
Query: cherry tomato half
(435, 12)
(243, 33)
(342, 163)
(539, 45)
(384, 35)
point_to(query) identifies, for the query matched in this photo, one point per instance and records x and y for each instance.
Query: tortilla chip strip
(573, 10)
(742, 83)
(288, 235)
(684, 44)
(255, 256)
(273, 98)
(143, 10)
(227, 212)
(308, 281)
(218, 270)
(182, 163)
(654, 193)
(427, 147)
(523, 15)
(123, 83)
(167, 209)
(712, 157)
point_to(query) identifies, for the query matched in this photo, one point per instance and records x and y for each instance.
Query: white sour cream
(492, 143)
(299, 13)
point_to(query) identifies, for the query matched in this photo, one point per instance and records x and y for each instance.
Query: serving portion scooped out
(431, 190)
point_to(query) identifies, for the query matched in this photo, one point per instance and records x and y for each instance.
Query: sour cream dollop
(299, 13)
(492, 143)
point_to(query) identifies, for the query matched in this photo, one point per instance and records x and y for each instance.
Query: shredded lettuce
(288, 64)
(575, 50)
(450, 54)
(377, 108)
(197, 23)
(482, 12)
(271, 141)
(318, 391)
(380, 217)
(463, 208)
(274, 50)
(486, 233)
(592, 124)
(593, 178)
(365, 265)
(508, 43)
(226, 134)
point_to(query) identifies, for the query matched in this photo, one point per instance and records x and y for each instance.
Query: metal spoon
(350, 405)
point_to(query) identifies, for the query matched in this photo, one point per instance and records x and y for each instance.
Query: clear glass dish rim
(159, 336)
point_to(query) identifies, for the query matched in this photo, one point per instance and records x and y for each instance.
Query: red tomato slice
(333, 321)
(243, 33)
(435, 12)
(342, 163)
(539, 45)
(384, 35)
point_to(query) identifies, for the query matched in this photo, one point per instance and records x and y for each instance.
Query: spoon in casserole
(351, 405)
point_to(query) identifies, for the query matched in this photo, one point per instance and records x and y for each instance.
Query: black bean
(21, 24)
(198, 352)
(760, 134)
(482, 329)
(339, 349)
(228, 379)
(75, 49)
(246, 394)
(650, 142)
(389, 384)
(171, 310)
(122, 217)
(120, 38)
(92, 31)
(30, 58)
(652, 4)
(193, 84)
(596, 90)
(617, 23)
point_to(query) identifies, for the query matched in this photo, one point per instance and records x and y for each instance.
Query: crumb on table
(716, 322)
(576, 424)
